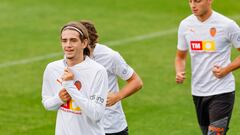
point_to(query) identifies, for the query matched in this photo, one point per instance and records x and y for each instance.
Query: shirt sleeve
(234, 34)
(50, 100)
(94, 105)
(182, 43)
(121, 68)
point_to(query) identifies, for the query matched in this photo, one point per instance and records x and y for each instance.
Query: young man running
(209, 37)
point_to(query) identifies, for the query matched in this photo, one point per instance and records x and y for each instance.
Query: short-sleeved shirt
(114, 118)
(209, 44)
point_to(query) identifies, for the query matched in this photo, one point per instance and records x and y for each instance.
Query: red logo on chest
(196, 45)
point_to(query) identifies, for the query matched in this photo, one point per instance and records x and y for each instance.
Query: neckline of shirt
(207, 20)
(86, 58)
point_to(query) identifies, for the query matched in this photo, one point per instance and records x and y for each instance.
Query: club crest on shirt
(78, 85)
(213, 31)
(206, 46)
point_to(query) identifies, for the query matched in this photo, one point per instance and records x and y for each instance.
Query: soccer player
(76, 86)
(209, 37)
(114, 119)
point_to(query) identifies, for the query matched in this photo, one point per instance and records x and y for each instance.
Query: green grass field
(30, 29)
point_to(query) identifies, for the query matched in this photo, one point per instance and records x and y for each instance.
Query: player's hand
(64, 96)
(219, 72)
(180, 77)
(112, 99)
(67, 75)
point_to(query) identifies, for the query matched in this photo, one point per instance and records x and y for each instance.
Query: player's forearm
(92, 106)
(235, 64)
(133, 85)
(180, 64)
(52, 103)
(180, 61)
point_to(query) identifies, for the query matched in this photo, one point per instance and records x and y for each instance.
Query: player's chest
(82, 82)
(206, 38)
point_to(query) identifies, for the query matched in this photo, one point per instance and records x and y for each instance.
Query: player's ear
(85, 43)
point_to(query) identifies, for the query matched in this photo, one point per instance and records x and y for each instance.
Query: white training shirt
(114, 117)
(209, 44)
(81, 115)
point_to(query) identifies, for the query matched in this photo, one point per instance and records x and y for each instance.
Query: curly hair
(92, 32)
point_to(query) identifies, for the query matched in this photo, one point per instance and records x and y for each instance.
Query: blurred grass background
(30, 29)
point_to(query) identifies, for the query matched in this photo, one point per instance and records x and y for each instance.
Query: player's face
(72, 45)
(200, 7)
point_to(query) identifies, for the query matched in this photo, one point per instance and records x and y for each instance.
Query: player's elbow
(139, 84)
(48, 107)
(137, 81)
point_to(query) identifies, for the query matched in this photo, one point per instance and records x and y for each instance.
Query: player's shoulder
(104, 51)
(223, 21)
(55, 64)
(94, 65)
(189, 19)
(221, 18)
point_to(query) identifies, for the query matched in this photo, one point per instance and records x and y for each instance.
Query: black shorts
(124, 132)
(213, 108)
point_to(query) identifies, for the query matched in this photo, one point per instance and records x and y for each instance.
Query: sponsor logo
(208, 46)
(97, 99)
(70, 106)
(216, 130)
(196, 45)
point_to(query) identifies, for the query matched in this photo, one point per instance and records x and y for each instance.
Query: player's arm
(125, 72)
(220, 72)
(94, 105)
(181, 55)
(134, 83)
(180, 64)
(50, 100)
(233, 34)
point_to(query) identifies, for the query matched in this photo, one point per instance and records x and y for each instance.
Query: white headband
(75, 28)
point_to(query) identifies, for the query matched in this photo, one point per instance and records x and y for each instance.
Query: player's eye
(198, 1)
(64, 40)
(74, 40)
